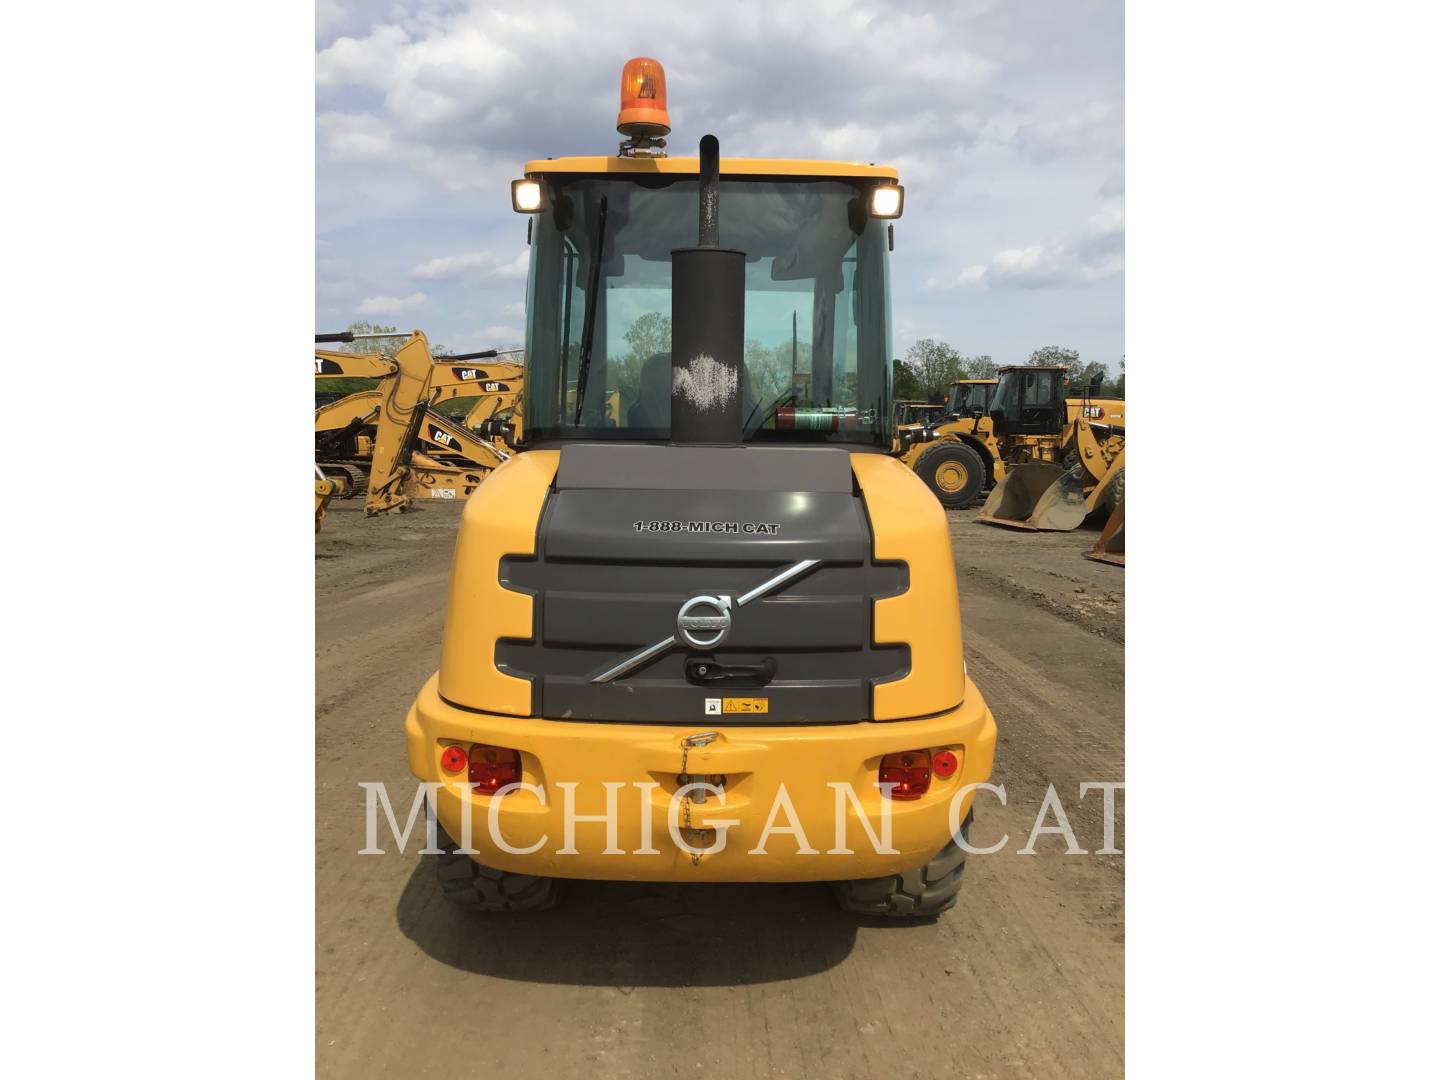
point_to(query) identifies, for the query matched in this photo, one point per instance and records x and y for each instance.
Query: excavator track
(357, 474)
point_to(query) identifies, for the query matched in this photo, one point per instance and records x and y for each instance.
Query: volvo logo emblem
(704, 621)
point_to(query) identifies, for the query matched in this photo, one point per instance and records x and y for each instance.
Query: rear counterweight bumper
(810, 777)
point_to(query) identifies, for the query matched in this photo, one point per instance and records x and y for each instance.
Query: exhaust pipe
(707, 321)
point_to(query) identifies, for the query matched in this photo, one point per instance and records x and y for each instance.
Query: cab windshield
(1027, 388)
(965, 398)
(817, 307)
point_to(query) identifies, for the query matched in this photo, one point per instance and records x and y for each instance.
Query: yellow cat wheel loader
(716, 637)
(962, 442)
(1023, 422)
(1064, 458)
(912, 417)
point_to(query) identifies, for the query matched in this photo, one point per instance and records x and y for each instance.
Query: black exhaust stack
(707, 320)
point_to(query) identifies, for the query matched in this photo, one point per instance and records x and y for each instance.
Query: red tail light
(909, 772)
(492, 767)
(453, 759)
(945, 764)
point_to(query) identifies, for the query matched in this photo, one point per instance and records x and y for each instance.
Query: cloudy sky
(1005, 119)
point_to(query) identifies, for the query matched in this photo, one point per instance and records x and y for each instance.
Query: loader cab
(1029, 400)
(916, 412)
(970, 398)
(816, 302)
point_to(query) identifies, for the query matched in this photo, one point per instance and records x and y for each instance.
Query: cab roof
(733, 166)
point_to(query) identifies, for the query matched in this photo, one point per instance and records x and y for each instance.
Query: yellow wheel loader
(1064, 458)
(714, 638)
(1021, 419)
(912, 417)
(956, 447)
(909, 413)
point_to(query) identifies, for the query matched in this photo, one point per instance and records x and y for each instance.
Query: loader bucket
(1110, 547)
(1036, 496)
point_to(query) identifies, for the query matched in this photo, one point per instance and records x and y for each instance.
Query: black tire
(1115, 494)
(953, 471)
(468, 884)
(921, 893)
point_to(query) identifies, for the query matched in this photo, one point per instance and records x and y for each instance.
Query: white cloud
(355, 137)
(392, 305)
(516, 310)
(328, 13)
(1097, 253)
(369, 61)
(502, 335)
(1098, 128)
(1007, 128)
(479, 264)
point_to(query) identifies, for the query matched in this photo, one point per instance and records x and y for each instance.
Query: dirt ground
(1024, 977)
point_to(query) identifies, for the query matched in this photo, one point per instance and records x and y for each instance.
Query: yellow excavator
(715, 637)
(488, 389)
(348, 412)
(388, 440)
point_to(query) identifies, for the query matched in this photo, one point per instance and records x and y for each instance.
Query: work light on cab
(887, 200)
(527, 196)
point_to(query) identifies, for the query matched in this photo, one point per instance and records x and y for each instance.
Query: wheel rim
(951, 476)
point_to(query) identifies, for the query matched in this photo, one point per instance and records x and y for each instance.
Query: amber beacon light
(642, 100)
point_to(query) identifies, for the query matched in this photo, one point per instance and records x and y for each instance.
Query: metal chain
(704, 739)
(685, 806)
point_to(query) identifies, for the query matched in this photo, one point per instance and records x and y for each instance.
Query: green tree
(935, 365)
(383, 346)
(769, 368)
(1055, 354)
(1119, 385)
(906, 386)
(646, 336)
(1069, 358)
(979, 367)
